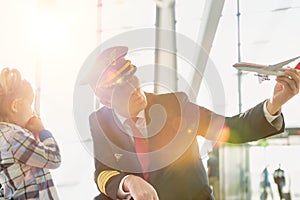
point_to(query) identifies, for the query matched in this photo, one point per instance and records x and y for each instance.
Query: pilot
(145, 144)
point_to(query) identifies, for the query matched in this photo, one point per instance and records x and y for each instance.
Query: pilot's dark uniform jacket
(182, 176)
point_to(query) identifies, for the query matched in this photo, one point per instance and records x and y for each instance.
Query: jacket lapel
(121, 143)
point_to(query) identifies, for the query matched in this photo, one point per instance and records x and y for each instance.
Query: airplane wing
(281, 64)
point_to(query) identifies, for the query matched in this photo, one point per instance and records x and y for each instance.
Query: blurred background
(49, 40)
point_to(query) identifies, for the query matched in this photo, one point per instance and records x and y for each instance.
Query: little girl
(27, 150)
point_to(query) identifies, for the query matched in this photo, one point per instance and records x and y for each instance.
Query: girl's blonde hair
(12, 86)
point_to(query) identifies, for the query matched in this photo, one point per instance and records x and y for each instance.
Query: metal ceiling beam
(210, 20)
(165, 71)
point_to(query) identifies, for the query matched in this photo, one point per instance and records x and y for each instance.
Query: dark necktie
(141, 146)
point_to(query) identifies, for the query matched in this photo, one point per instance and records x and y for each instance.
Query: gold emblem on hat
(114, 62)
(109, 80)
(112, 58)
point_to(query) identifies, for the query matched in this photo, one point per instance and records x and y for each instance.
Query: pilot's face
(127, 99)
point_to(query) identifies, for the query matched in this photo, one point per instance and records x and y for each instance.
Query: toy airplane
(263, 71)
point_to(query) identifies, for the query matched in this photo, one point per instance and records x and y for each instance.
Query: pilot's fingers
(292, 73)
(289, 84)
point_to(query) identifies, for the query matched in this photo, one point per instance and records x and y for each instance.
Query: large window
(50, 49)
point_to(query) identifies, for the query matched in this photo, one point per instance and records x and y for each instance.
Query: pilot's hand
(139, 189)
(35, 125)
(287, 86)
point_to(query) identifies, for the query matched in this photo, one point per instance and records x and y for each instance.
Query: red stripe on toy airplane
(263, 71)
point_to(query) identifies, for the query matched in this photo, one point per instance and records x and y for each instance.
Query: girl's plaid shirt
(25, 163)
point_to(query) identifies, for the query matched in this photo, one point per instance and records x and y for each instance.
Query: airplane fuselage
(260, 69)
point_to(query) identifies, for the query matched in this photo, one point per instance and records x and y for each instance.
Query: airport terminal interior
(49, 40)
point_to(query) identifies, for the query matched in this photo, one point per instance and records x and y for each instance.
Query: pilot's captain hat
(109, 68)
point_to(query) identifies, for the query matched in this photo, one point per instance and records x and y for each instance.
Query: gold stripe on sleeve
(103, 177)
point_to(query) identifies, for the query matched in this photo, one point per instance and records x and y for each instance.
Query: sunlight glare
(49, 33)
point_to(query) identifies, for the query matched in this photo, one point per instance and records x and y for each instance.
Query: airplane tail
(298, 66)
